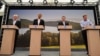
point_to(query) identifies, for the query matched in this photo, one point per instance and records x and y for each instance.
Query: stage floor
(25, 52)
(50, 53)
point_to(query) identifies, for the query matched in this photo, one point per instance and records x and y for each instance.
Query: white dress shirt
(14, 22)
(84, 24)
(38, 21)
(64, 23)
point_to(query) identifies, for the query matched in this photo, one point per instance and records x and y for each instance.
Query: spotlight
(55, 2)
(19, 1)
(31, 2)
(85, 2)
(1, 4)
(45, 2)
(72, 2)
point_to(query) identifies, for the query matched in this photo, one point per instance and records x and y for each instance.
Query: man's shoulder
(66, 21)
(42, 20)
(18, 21)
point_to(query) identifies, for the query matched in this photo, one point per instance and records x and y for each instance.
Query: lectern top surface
(61, 27)
(9, 27)
(36, 27)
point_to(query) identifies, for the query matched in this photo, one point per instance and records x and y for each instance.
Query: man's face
(15, 17)
(63, 18)
(85, 18)
(39, 16)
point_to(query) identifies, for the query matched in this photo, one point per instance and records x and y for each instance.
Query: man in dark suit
(39, 21)
(63, 21)
(18, 24)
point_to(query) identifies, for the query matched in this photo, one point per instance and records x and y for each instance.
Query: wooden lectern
(93, 37)
(65, 45)
(7, 45)
(35, 42)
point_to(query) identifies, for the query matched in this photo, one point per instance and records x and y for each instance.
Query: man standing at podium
(16, 22)
(63, 21)
(39, 21)
(84, 23)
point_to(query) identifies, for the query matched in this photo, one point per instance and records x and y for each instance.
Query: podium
(8, 38)
(65, 45)
(35, 40)
(93, 37)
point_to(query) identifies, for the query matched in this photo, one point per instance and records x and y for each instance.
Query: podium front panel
(93, 37)
(35, 43)
(65, 45)
(8, 41)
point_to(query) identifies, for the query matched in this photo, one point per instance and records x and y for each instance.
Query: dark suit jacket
(61, 23)
(18, 24)
(35, 22)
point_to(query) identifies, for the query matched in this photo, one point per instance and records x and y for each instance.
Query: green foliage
(76, 39)
(49, 39)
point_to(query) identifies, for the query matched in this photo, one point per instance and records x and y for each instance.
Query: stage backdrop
(50, 36)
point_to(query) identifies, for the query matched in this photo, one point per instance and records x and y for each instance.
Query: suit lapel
(16, 23)
(40, 22)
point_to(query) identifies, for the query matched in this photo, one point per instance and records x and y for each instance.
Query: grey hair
(17, 16)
